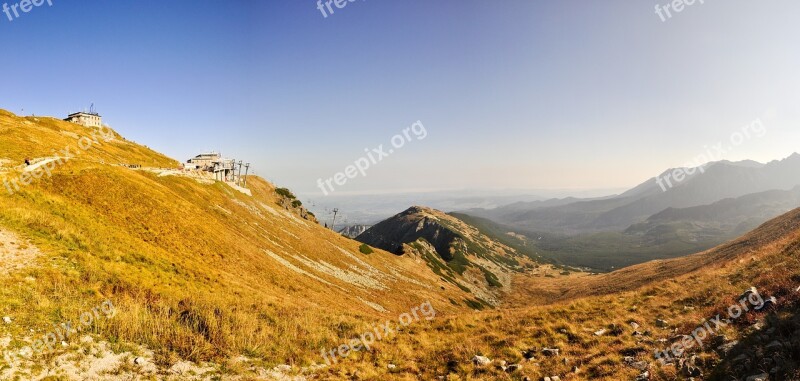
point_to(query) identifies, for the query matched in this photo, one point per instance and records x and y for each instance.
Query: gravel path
(14, 252)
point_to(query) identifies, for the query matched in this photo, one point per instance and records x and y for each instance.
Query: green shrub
(365, 249)
(491, 279)
(474, 304)
(285, 193)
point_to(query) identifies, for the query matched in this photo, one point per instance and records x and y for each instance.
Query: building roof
(207, 154)
(83, 113)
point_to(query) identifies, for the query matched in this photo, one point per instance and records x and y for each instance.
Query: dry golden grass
(185, 265)
(183, 262)
(685, 296)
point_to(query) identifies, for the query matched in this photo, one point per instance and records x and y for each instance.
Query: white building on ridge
(87, 119)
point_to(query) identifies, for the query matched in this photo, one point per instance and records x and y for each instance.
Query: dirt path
(15, 253)
(39, 162)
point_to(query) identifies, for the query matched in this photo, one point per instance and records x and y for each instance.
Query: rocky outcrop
(289, 201)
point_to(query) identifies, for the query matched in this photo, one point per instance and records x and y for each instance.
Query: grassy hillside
(196, 269)
(39, 137)
(590, 321)
(239, 284)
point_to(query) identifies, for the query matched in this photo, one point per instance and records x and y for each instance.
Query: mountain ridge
(455, 251)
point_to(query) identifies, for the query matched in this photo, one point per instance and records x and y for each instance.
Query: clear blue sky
(513, 94)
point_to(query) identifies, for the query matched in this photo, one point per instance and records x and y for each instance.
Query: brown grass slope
(37, 137)
(197, 271)
(683, 292)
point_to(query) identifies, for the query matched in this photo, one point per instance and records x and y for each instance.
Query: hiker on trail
(27, 161)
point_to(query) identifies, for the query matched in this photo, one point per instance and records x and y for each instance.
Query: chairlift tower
(333, 223)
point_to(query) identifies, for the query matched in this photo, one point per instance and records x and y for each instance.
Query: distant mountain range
(730, 217)
(719, 180)
(718, 202)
